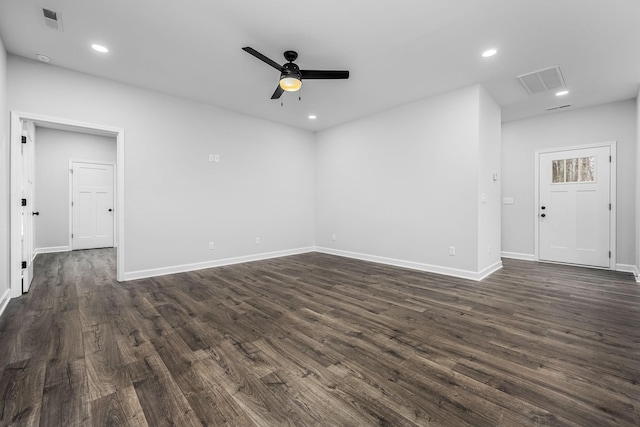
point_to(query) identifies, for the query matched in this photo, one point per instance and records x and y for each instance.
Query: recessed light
(489, 53)
(42, 58)
(99, 48)
(562, 93)
(312, 116)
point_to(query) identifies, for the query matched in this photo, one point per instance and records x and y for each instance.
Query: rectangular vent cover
(559, 107)
(542, 80)
(52, 19)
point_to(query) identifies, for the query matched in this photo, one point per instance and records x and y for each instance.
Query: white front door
(574, 210)
(92, 205)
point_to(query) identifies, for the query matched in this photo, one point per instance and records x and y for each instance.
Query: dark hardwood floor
(319, 340)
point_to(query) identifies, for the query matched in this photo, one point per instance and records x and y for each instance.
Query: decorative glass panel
(582, 169)
(587, 169)
(572, 166)
(558, 171)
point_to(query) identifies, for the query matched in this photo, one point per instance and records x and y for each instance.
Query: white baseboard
(51, 250)
(142, 274)
(627, 268)
(516, 255)
(464, 274)
(4, 301)
(483, 274)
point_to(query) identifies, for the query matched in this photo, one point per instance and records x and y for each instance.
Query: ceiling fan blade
(278, 93)
(324, 74)
(263, 58)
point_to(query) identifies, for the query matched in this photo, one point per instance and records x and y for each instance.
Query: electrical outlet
(452, 250)
(257, 240)
(216, 158)
(211, 245)
(333, 237)
(211, 157)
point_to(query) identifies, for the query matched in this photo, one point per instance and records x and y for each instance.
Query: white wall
(489, 212)
(637, 272)
(53, 150)
(4, 179)
(520, 140)
(402, 186)
(176, 201)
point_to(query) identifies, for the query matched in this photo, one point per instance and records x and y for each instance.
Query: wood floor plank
(309, 383)
(120, 408)
(160, 397)
(65, 397)
(106, 372)
(32, 339)
(21, 393)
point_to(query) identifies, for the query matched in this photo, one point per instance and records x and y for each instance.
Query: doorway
(16, 214)
(575, 206)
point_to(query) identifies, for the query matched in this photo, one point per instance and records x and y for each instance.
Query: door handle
(35, 213)
(110, 210)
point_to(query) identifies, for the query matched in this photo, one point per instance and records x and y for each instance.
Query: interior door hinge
(24, 139)
(609, 206)
(71, 171)
(609, 159)
(24, 264)
(609, 254)
(23, 202)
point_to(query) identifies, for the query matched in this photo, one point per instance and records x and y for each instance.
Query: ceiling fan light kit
(291, 75)
(290, 84)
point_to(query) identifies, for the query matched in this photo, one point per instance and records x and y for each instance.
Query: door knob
(110, 210)
(543, 215)
(543, 207)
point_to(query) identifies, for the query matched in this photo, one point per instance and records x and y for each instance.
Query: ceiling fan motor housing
(291, 70)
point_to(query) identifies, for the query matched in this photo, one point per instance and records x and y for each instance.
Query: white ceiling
(397, 51)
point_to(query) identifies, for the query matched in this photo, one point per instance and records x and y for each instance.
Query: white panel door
(574, 206)
(26, 228)
(92, 205)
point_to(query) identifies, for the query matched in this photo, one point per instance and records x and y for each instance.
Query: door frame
(612, 197)
(71, 125)
(115, 195)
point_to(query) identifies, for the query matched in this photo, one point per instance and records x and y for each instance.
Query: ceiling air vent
(542, 80)
(559, 108)
(52, 19)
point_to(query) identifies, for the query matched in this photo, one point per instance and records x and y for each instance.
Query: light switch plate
(507, 200)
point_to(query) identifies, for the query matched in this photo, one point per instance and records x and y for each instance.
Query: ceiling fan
(291, 76)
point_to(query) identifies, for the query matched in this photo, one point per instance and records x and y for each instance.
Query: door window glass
(587, 169)
(558, 171)
(580, 169)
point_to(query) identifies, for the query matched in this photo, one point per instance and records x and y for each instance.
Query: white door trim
(115, 195)
(612, 223)
(64, 124)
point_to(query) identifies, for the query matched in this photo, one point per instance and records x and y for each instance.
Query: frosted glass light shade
(290, 84)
